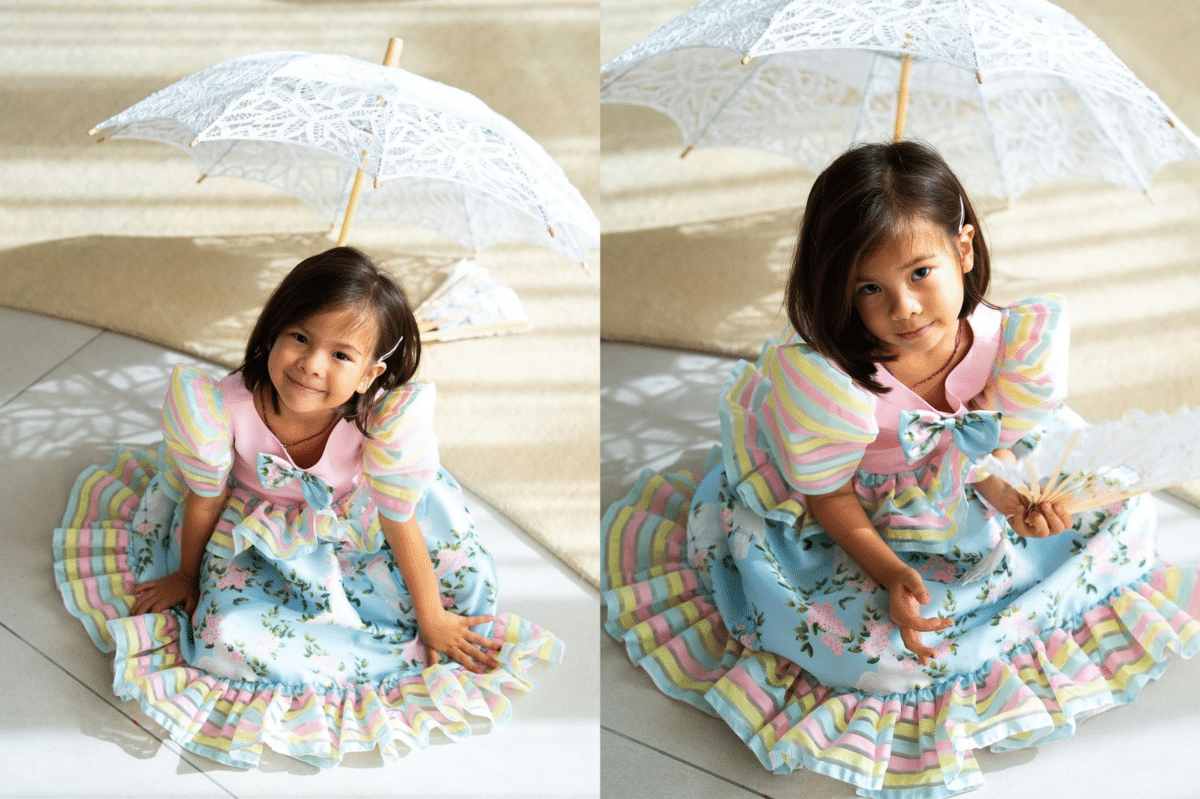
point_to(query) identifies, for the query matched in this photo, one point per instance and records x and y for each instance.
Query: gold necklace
(262, 404)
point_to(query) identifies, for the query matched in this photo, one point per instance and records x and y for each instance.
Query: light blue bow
(976, 433)
(275, 473)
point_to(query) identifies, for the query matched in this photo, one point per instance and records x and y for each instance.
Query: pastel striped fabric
(735, 601)
(1031, 371)
(230, 721)
(792, 424)
(196, 431)
(400, 452)
(91, 564)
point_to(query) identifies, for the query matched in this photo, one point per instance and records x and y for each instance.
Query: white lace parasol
(305, 122)
(1011, 92)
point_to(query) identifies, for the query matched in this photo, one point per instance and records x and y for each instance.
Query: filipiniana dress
(736, 601)
(305, 638)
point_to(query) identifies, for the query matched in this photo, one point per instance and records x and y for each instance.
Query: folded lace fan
(470, 303)
(1108, 462)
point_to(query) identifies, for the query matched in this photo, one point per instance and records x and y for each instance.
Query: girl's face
(909, 291)
(319, 363)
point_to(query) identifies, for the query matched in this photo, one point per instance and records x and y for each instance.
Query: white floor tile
(110, 391)
(635, 771)
(59, 736)
(32, 345)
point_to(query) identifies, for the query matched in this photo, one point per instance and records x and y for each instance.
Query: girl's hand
(452, 634)
(1044, 520)
(907, 594)
(176, 588)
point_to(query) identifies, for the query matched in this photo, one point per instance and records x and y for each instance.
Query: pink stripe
(628, 535)
(660, 498)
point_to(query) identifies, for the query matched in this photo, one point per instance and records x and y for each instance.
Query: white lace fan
(470, 303)
(1096, 466)
(1108, 462)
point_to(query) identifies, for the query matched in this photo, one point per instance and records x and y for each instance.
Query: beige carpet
(119, 235)
(696, 251)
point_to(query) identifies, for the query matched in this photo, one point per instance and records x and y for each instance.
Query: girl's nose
(312, 362)
(905, 305)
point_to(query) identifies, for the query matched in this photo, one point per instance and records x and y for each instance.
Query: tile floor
(68, 393)
(658, 410)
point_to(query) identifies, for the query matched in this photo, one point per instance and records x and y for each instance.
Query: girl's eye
(869, 288)
(300, 337)
(921, 272)
(341, 356)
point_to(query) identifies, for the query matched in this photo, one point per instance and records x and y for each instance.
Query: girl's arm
(200, 516)
(842, 515)
(440, 630)
(1039, 522)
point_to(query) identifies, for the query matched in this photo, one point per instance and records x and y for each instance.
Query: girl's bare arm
(200, 515)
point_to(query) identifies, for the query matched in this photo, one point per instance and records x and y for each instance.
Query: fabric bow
(976, 433)
(275, 472)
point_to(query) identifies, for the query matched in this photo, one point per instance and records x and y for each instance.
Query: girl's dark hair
(869, 195)
(341, 278)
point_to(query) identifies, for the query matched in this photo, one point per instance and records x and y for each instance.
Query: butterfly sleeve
(400, 453)
(793, 423)
(197, 431)
(1030, 376)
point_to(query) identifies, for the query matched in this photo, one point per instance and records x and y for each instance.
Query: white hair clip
(962, 213)
(388, 354)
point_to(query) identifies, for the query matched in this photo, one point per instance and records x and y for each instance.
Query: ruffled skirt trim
(231, 720)
(917, 745)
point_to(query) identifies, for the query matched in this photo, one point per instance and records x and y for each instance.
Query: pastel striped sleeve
(400, 453)
(793, 422)
(197, 431)
(1030, 377)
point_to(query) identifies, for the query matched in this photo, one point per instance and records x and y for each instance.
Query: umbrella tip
(1008, 203)
(194, 142)
(200, 179)
(1150, 197)
(550, 230)
(979, 77)
(92, 132)
(746, 59)
(1171, 121)
(685, 152)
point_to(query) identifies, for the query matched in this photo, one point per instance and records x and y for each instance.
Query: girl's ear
(966, 247)
(369, 376)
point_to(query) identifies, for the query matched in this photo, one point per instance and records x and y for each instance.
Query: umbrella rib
(219, 159)
(992, 133)
(866, 96)
(1142, 181)
(966, 12)
(758, 64)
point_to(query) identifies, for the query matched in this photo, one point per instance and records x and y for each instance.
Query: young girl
(815, 588)
(292, 567)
